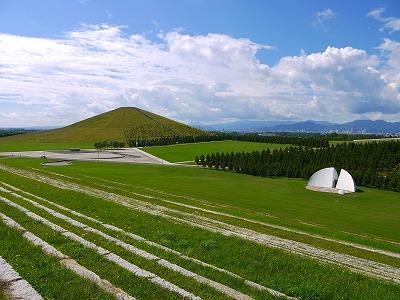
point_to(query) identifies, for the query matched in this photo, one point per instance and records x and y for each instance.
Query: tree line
(109, 145)
(373, 164)
(8, 132)
(316, 141)
(334, 136)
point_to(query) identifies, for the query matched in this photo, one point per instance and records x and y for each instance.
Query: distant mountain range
(357, 126)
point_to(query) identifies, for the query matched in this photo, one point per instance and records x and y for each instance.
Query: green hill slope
(113, 125)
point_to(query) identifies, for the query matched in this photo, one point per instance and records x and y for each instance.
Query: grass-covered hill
(118, 124)
(112, 125)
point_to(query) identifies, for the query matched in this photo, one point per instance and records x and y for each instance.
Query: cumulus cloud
(196, 78)
(391, 23)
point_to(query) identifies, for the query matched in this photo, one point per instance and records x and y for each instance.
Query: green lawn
(369, 212)
(188, 152)
(49, 278)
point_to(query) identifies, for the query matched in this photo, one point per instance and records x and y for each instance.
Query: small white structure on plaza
(346, 182)
(327, 180)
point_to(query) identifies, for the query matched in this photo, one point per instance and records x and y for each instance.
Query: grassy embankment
(44, 273)
(281, 201)
(188, 152)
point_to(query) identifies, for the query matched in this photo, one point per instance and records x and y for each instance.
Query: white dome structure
(325, 178)
(346, 182)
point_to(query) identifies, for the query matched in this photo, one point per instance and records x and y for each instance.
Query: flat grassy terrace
(188, 152)
(8, 146)
(285, 199)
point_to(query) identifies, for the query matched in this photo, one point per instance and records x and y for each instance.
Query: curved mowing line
(66, 261)
(204, 202)
(356, 264)
(105, 253)
(144, 254)
(280, 227)
(139, 238)
(14, 286)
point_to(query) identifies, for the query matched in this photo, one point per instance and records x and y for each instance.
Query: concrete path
(14, 285)
(124, 155)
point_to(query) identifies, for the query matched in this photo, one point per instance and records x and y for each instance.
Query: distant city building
(327, 180)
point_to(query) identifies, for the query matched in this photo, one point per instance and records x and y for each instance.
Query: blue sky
(258, 60)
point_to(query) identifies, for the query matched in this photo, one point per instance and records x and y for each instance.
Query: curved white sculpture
(325, 178)
(346, 182)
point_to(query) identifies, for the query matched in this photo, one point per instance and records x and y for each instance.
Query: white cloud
(325, 14)
(391, 23)
(207, 78)
(322, 16)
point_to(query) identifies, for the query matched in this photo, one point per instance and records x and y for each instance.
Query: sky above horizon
(199, 61)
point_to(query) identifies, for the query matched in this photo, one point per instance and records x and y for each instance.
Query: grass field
(133, 198)
(188, 152)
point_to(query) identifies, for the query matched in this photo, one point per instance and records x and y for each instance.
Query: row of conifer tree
(316, 141)
(373, 164)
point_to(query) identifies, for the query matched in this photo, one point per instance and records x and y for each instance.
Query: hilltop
(117, 124)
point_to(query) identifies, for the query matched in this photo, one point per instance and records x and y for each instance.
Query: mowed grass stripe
(262, 295)
(139, 287)
(296, 275)
(356, 264)
(193, 208)
(316, 239)
(14, 285)
(65, 261)
(233, 209)
(151, 266)
(33, 265)
(144, 254)
(255, 221)
(114, 230)
(105, 253)
(135, 237)
(112, 243)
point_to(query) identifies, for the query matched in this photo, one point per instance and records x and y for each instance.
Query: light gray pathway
(124, 155)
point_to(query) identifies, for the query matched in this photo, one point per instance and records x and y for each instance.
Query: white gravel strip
(136, 237)
(64, 260)
(205, 202)
(280, 227)
(105, 253)
(14, 286)
(144, 254)
(356, 264)
(364, 266)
